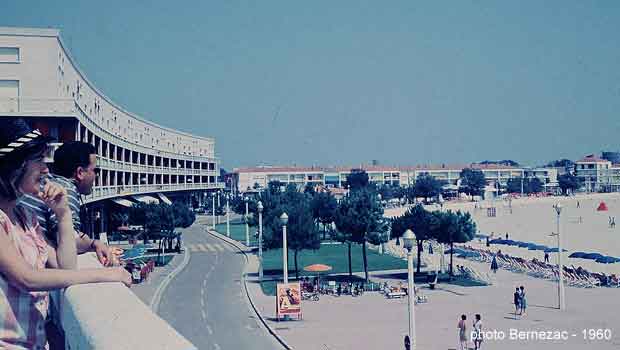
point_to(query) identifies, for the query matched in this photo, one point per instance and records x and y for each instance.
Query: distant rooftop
(370, 168)
(591, 158)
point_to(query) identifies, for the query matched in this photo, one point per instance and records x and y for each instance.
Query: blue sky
(346, 82)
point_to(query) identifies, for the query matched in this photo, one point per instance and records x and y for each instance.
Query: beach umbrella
(602, 207)
(577, 255)
(318, 268)
(468, 254)
(554, 250)
(511, 242)
(454, 251)
(592, 256)
(607, 260)
(524, 244)
(132, 254)
(497, 241)
(537, 247)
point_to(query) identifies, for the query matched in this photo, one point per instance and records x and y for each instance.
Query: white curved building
(40, 81)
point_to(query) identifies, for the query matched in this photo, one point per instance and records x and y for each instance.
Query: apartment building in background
(137, 159)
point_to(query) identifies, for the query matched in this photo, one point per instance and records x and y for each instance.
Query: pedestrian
(26, 259)
(577, 204)
(517, 301)
(546, 257)
(494, 266)
(488, 243)
(462, 326)
(506, 235)
(477, 332)
(407, 343)
(522, 300)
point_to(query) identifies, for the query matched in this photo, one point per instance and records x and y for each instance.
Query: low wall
(110, 316)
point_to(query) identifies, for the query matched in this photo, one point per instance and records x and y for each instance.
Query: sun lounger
(392, 295)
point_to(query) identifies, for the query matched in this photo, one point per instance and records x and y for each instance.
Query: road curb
(245, 251)
(156, 299)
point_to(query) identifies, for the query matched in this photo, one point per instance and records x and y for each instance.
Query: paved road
(207, 303)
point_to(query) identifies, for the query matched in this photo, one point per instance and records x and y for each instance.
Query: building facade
(495, 175)
(136, 159)
(598, 174)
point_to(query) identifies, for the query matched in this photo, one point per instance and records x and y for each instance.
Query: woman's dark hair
(478, 317)
(463, 317)
(70, 156)
(13, 168)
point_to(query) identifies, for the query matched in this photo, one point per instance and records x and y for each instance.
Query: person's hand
(55, 197)
(104, 253)
(121, 275)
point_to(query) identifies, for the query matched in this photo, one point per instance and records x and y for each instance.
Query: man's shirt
(46, 217)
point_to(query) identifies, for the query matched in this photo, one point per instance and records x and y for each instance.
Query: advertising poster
(288, 299)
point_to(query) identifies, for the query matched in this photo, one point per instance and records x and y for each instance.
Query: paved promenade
(373, 322)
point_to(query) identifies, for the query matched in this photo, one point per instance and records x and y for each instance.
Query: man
(74, 169)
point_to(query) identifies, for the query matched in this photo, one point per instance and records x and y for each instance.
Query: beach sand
(534, 220)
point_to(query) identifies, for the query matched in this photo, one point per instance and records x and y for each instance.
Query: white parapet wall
(109, 316)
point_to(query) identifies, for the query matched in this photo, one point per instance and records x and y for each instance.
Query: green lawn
(237, 232)
(334, 255)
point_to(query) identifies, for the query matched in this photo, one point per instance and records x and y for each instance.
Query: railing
(117, 320)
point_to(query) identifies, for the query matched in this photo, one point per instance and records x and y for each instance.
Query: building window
(9, 54)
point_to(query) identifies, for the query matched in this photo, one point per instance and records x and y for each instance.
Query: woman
(24, 254)
(477, 332)
(523, 300)
(462, 326)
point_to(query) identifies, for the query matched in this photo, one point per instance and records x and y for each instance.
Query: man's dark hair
(70, 156)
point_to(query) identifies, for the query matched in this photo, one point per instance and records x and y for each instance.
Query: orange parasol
(317, 268)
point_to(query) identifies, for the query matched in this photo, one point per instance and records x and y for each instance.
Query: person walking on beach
(494, 265)
(577, 204)
(477, 332)
(506, 235)
(462, 327)
(546, 257)
(522, 301)
(517, 301)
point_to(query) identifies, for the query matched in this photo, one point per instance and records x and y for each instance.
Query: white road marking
(220, 247)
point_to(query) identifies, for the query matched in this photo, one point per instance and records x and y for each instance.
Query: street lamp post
(218, 206)
(442, 257)
(247, 226)
(259, 208)
(561, 301)
(227, 217)
(213, 212)
(284, 221)
(408, 238)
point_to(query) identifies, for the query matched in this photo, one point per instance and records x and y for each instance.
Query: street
(207, 303)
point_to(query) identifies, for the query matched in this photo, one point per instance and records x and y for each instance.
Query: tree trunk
(419, 255)
(451, 252)
(296, 268)
(159, 250)
(350, 268)
(365, 261)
